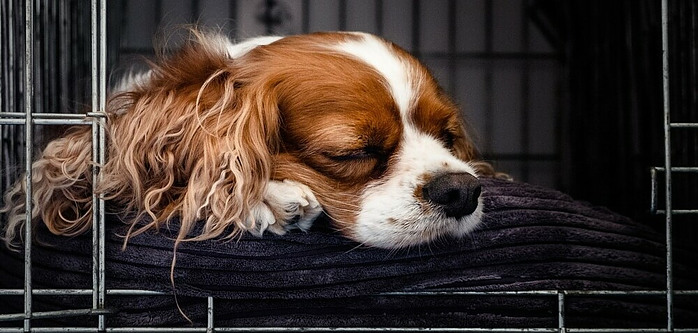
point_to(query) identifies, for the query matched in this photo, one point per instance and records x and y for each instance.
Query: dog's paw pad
(262, 218)
(294, 205)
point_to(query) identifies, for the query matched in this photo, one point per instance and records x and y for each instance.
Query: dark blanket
(532, 238)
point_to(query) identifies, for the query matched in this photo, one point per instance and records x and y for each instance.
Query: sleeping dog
(264, 135)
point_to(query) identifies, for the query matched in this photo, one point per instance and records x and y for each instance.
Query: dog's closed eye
(368, 152)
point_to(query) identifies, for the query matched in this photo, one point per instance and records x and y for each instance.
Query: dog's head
(355, 118)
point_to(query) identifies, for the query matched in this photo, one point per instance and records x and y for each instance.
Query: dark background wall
(615, 108)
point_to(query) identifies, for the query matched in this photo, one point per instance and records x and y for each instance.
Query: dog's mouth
(421, 224)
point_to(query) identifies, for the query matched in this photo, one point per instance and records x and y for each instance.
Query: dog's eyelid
(374, 150)
(356, 154)
(348, 157)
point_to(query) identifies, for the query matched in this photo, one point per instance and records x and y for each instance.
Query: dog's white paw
(287, 205)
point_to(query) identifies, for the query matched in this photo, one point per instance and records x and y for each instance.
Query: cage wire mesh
(512, 86)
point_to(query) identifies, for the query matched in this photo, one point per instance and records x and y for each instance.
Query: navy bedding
(532, 238)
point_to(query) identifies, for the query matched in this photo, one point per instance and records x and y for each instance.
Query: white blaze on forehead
(396, 72)
(220, 43)
(240, 49)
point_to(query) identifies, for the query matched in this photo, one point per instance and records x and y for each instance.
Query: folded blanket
(532, 238)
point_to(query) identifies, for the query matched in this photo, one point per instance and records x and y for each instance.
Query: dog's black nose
(455, 193)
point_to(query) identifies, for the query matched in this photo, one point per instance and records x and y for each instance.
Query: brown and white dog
(266, 134)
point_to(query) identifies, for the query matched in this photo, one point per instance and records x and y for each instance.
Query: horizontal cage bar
(137, 292)
(683, 125)
(345, 329)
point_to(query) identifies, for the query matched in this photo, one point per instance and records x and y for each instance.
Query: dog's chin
(398, 233)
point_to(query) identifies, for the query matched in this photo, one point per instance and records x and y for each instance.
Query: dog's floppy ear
(191, 138)
(193, 141)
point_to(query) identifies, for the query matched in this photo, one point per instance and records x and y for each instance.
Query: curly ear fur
(191, 142)
(61, 180)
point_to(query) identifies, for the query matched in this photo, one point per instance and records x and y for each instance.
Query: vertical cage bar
(667, 168)
(94, 53)
(101, 298)
(209, 316)
(29, 139)
(11, 93)
(693, 105)
(48, 94)
(63, 45)
(3, 84)
(653, 191)
(7, 92)
(12, 89)
(561, 312)
(39, 57)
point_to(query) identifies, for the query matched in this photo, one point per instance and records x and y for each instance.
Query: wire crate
(14, 119)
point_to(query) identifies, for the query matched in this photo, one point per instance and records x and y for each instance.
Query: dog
(265, 135)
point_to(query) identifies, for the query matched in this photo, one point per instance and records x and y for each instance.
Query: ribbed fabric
(532, 238)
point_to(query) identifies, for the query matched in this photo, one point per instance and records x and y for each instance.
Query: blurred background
(564, 94)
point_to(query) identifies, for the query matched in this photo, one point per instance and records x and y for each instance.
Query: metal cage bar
(560, 295)
(667, 166)
(668, 169)
(29, 138)
(99, 58)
